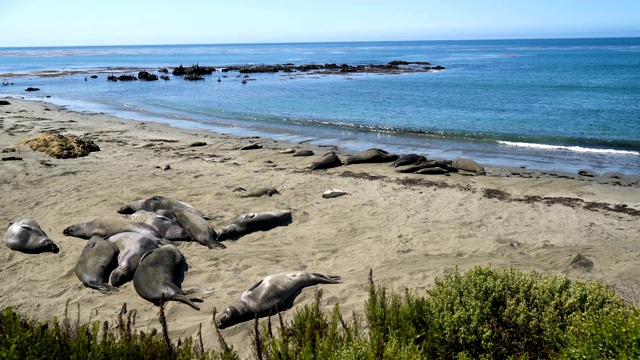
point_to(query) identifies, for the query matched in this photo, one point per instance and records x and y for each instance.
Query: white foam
(569, 148)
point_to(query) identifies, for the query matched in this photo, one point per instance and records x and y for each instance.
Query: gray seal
(158, 202)
(271, 294)
(97, 260)
(25, 235)
(371, 156)
(131, 247)
(107, 226)
(160, 275)
(198, 228)
(248, 223)
(329, 160)
(269, 191)
(409, 159)
(168, 228)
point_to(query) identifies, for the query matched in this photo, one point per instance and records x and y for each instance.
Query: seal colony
(409, 228)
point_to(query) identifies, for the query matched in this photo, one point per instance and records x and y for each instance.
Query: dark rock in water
(432, 171)
(94, 76)
(146, 76)
(32, 89)
(4, 102)
(164, 70)
(165, 77)
(193, 77)
(468, 165)
(253, 146)
(409, 159)
(329, 160)
(371, 156)
(303, 153)
(198, 143)
(127, 77)
(112, 78)
(582, 262)
(587, 173)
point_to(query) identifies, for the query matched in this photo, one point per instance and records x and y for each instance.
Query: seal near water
(166, 227)
(329, 160)
(107, 226)
(373, 155)
(159, 202)
(248, 223)
(198, 228)
(131, 247)
(160, 275)
(97, 260)
(409, 159)
(25, 235)
(271, 294)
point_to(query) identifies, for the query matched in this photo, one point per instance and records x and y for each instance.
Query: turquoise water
(563, 104)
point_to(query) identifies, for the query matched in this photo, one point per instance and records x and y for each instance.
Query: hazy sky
(132, 22)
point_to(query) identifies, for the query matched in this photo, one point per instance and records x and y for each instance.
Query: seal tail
(326, 279)
(215, 244)
(183, 299)
(199, 290)
(104, 288)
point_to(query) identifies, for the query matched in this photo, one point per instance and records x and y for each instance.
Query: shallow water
(561, 104)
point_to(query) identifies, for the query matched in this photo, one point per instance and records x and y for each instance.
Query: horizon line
(321, 42)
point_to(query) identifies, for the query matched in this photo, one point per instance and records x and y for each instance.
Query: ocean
(547, 104)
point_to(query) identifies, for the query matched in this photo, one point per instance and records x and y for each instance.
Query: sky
(151, 22)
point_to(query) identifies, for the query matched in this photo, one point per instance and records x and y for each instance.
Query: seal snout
(54, 248)
(68, 230)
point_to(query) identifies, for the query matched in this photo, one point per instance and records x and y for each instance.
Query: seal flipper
(326, 279)
(215, 244)
(103, 288)
(183, 299)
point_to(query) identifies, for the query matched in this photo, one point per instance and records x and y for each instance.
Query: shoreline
(410, 229)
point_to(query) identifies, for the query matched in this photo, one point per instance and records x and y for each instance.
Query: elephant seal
(198, 228)
(371, 156)
(107, 226)
(329, 160)
(25, 235)
(468, 165)
(251, 222)
(260, 192)
(97, 260)
(158, 202)
(271, 294)
(168, 228)
(131, 247)
(160, 274)
(303, 153)
(409, 159)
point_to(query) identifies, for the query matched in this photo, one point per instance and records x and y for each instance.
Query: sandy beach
(409, 229)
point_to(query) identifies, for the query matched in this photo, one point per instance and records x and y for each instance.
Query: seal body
(269, 191)
(168, 228)
(25, 235)
(409, 159)
(329, 160)
(251, 222)
(131, 246)
(107, 226)
(97, 260)
(271, 294)
(160, 275)
(198, 228)
(371, 156)
(156, 203)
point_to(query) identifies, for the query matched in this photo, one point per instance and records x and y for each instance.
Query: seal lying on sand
(248, 223)
(158, 202)
(269, 191)
(97, 260)
(131, 247)
(329, 160)
(25, 235)
(107, 226)
(168, 228)
(160, 274)
(371, 156)
(198, 228)
(271, 294)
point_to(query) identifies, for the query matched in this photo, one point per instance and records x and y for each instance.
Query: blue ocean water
(551, 104)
